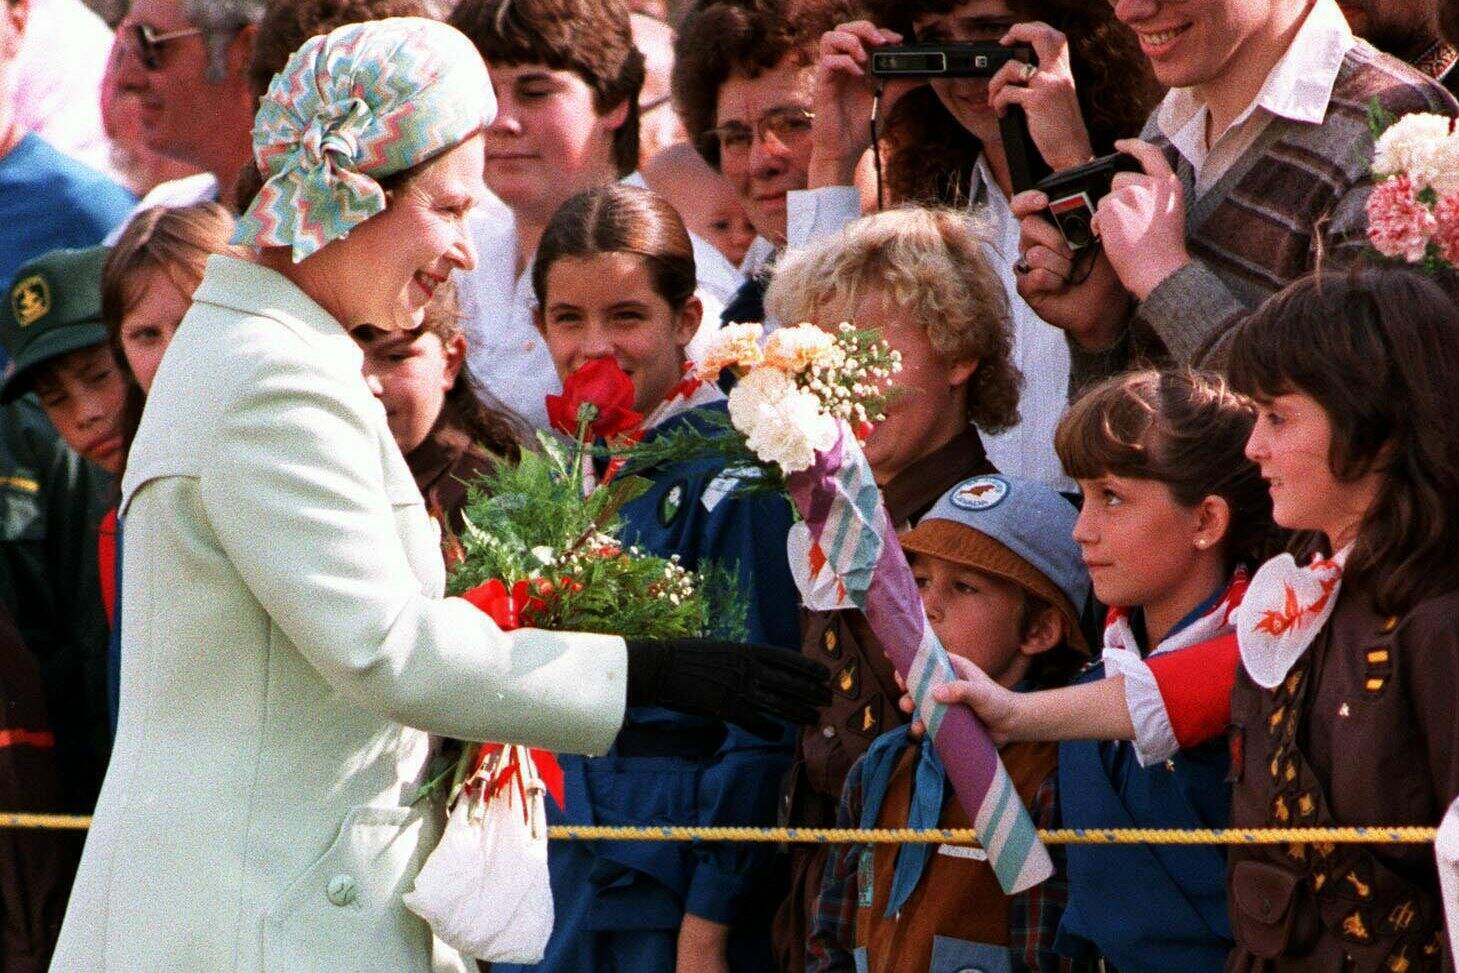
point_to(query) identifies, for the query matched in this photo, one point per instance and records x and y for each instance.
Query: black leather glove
(752, 685)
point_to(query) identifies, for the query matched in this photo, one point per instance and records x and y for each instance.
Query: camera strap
(1025, 165)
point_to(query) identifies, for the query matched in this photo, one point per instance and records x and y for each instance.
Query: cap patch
(980, 493)
(30, 300)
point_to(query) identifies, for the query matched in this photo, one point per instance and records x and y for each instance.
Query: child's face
(410, 372)
(548, 140)
(83, 392)
(1292, 443)
(606, 305)
(976, 615)
(728, 229)
(1140, 545)
(149, 324)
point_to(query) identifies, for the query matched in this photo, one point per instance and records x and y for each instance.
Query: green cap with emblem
(53, 307)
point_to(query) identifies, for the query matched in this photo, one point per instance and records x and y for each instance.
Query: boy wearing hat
(52, 501)
(1003, 585)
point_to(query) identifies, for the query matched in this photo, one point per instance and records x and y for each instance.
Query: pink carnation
(1447, 234)
(1398, 224)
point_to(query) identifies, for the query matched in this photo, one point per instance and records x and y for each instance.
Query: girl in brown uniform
(1344, 709)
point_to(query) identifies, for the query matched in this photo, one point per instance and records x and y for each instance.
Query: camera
(1074, 194)
(922, 61)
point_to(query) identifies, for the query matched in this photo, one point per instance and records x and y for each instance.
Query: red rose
(602, 389)
(509, 609)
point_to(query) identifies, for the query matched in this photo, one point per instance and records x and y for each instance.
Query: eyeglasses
(148, 43)
(791, 125)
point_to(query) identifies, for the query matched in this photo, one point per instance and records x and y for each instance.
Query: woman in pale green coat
(285, 648)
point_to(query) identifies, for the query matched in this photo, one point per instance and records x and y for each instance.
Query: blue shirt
(1146, 908)
(619, 905)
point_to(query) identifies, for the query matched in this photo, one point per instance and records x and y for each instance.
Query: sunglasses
(148, 43)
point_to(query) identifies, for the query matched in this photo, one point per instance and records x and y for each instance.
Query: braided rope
(909, 836)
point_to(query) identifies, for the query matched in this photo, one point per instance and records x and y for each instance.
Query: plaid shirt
(1033, 915)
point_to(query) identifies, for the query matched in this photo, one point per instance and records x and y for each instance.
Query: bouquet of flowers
(1413, 212)
(542, 546)
(804, 403)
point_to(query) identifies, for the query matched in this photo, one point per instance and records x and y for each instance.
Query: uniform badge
(980, 493)
(848, 680)
(830, 643)
(865, 887)
(30, 300)
(670, 504)
(1378, 670)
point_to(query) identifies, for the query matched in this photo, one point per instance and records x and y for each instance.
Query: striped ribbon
(853, 537)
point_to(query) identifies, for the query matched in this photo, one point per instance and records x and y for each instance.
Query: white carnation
(1421, 146)
(788, 432)
(760, 387)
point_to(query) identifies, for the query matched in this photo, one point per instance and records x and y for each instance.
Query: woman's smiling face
(393, 262)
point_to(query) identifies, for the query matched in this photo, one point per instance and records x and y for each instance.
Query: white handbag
(485, 890)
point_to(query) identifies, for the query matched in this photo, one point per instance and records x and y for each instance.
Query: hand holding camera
(844, 91)
(1044, 89)
(1142, 221)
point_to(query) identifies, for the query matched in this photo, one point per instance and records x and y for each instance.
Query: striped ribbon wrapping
(853, 540)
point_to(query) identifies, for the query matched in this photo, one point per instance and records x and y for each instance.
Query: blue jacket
(620, 904)
(1146, 908)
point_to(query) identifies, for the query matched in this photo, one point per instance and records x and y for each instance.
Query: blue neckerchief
(928, 787)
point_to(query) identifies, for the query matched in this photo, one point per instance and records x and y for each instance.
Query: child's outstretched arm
(1188, 703)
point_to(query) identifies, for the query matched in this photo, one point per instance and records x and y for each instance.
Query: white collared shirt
(505, 353)
(1298, 88)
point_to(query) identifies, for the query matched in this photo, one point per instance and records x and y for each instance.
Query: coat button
(828, 731)
(342, 890)
(971, 969)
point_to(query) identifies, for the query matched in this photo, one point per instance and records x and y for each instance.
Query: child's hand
(996, 706)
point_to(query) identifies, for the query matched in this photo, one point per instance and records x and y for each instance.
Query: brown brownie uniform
(1364, 731)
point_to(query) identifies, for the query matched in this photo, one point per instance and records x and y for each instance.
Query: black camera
(1075, 193)
(923, 61)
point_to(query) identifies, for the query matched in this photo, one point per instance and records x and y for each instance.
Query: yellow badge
(30, 300)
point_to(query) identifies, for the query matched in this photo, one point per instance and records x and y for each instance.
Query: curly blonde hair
(934, 263)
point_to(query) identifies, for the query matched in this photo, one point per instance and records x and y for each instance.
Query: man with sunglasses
(47, 200)
(187, 61)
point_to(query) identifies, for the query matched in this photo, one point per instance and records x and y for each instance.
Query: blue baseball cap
(1016, 529)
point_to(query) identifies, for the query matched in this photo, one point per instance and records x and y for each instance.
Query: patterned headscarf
(351, 107)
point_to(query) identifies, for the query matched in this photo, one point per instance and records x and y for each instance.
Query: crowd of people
(283, 277)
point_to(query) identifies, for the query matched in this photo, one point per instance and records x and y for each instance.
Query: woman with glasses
(287, 655)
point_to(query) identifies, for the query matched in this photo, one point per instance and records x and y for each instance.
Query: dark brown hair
(467, 406)
(620, 219)
(930, 157)
(173, 241)
(1378, 349)
(719, 38)
(1184, 429)
(591, 38)
(287, 24)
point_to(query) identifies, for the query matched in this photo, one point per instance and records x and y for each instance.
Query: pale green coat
(285, 652)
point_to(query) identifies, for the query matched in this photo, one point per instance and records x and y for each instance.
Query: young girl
(1172, 513)
(147, 285)
(442, 424)
(614, 276)
(1344, 709)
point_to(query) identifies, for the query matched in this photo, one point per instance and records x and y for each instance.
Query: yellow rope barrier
(1064, 836)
